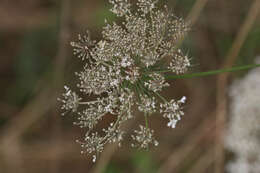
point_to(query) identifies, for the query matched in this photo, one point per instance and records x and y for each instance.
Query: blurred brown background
(36, 61)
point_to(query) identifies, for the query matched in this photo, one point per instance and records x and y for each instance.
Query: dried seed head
(147, 105)
(144, 138)
(173, 111)
(124, 70)
(70, 100)
(82, 47)
(120, 7)
(156, 83)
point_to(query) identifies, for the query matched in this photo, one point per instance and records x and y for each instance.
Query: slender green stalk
(159, 71)
(145, 91)
(146, 120)
(161, 97)
(214, 72)
(105, 64)
(146, 125)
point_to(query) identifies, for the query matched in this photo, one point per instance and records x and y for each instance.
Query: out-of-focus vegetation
(33, 135)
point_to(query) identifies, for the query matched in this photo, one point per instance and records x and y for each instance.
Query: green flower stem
(88, 103)
(145, 91)
(158, 71)
(162, 71)
(214, 72)
(146, 120)
(161, 97)
(138, 92)
(146, 125)
(105, 64)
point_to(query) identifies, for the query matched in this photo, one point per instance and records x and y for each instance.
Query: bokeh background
(36, 61)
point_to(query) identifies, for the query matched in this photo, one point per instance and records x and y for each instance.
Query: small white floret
(183, 99)
(172, 123)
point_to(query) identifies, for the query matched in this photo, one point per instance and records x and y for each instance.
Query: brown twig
(26, 117)
(203, 162)
(222, 83)
(193, 140)
(37, 106)
(60, 63)
(40, 104)
(189, 145)
(196, 11)
(15, 19)
(9, 143)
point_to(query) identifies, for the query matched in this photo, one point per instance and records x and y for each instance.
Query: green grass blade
(214, 72)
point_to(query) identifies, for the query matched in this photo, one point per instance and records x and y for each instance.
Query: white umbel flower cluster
(243, 134)
(124, 70)
(144, 137)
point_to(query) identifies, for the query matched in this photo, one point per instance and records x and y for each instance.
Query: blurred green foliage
(143, 162)
(38, 47)
(251, 47)
(112, 168)
(102, 14)
(185, 5)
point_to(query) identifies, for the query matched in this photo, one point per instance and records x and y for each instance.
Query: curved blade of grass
(214, 72)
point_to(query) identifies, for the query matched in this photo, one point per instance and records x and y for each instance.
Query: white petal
(183, 99)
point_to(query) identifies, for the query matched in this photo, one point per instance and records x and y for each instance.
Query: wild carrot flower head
(126, 69)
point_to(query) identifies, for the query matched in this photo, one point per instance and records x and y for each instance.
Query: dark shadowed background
(36, 61)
